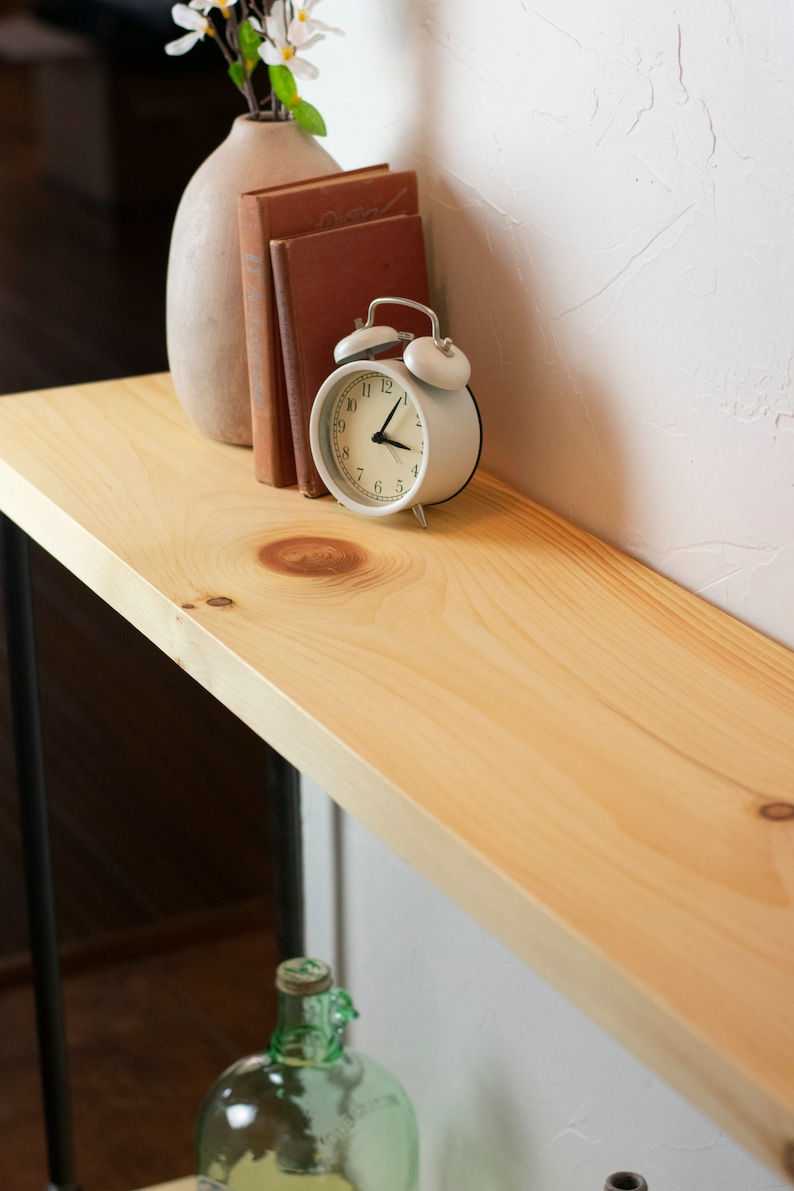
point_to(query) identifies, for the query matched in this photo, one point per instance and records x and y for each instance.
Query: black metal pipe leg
(286, 851)
(34, 825)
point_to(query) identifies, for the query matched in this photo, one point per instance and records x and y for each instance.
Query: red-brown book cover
(323, 283)
(337, 200)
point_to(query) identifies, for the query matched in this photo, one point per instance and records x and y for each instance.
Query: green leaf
(250, 41)
(284, 85)
(236, 75)
(309, 118)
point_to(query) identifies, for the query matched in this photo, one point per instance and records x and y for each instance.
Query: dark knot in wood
(313, 556)
(778, 810)
(219, 601)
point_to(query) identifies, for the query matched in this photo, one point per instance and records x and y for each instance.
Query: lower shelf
(188, 1184)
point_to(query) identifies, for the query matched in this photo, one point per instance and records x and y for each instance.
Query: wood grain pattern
(594, 763)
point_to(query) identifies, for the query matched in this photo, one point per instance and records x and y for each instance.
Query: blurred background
(158, 795)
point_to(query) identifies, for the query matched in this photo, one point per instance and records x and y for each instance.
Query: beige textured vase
(205, 320)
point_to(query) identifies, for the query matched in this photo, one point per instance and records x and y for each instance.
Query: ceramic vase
(205, 318)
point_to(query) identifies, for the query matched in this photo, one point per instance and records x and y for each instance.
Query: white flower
(303, 24)
(283, 54)
(187, 18)
(278, 50)
(206, 6)
(276, 20)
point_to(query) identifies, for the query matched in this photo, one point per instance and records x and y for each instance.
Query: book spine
(274, 460)
(309, 481)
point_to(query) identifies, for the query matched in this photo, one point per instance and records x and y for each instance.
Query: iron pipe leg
(283, 786)
(34, 827)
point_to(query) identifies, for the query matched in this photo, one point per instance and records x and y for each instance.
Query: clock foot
(420, 515)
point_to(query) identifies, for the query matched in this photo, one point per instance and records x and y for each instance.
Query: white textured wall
(514, 1088)
(608, 190)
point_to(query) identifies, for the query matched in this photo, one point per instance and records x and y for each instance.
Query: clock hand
(380, 435)
(392, 451)
(391, 415)
(393, 443)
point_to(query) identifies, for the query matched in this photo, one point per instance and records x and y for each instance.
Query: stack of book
(314, 255)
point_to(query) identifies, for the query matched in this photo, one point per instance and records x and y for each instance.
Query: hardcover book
(335, 201)
(323, 283)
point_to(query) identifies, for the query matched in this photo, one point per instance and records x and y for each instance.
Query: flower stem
(222, 46)
(261, 10)
(247, 88)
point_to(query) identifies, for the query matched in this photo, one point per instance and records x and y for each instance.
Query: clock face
(376, 437)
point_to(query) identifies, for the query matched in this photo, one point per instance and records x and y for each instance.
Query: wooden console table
(597, 765)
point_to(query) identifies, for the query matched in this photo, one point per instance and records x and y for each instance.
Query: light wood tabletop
(175, 1185)
(595, 764)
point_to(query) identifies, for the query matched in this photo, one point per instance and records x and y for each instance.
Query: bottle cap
(303, 977)
(625, 1180)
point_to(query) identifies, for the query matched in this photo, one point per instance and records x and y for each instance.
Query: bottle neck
(309, 1029)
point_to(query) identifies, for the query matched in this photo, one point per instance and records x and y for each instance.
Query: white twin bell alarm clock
(388, 435)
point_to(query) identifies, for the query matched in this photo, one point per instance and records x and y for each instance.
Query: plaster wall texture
(514, 1088)
(608, 192)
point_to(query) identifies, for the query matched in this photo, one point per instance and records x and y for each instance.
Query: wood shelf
(188, 1184)
(594, 763)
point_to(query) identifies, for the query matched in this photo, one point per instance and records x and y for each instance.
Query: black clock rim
(466, 482)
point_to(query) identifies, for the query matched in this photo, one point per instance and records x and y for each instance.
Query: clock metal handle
(443, 345)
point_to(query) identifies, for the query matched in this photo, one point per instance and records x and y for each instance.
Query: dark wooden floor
(147, 1038)
(158, 799)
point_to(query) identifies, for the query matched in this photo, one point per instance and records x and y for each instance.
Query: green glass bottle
(307, 1112)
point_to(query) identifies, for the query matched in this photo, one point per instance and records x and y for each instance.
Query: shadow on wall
(486, 1140)
(548, 428)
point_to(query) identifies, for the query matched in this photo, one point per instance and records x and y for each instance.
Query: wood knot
(312, 556)
(219, 601)
(777, 811)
